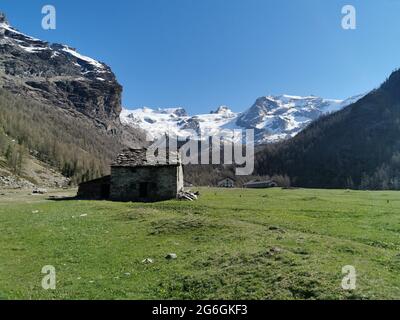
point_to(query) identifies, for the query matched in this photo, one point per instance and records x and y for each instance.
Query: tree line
(357, 147)
(66, 141)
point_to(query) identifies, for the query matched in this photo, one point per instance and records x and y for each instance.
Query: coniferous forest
(357, 147)
(67, 143)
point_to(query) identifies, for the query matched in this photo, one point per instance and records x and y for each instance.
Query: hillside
(54, 137)
(58, 106)
(32, 173)
(357, 147)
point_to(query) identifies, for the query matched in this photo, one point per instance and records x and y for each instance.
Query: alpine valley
(62, 122)
(97, 204)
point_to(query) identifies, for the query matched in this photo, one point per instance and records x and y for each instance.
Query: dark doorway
(105, 191)
(144, 190)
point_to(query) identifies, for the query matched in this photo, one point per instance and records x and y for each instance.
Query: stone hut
(138, 176)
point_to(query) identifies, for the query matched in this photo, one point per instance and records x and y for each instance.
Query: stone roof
(141, 158)
(227, 178)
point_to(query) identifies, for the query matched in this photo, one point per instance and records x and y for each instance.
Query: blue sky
(203, 53)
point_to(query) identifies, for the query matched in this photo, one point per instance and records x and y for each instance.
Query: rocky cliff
(60, 105)
(58, 75)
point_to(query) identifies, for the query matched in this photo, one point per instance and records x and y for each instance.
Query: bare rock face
(3, 18)
(58, 75)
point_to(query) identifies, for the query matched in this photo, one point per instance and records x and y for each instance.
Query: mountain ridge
(59, 106)
(274, 118)
(356, 147)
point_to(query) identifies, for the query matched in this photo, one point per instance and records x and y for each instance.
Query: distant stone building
(137, 176)
(260, 184)
(226, 183)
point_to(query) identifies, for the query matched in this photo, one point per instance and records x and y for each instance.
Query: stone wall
(145, 183)
(98, 189)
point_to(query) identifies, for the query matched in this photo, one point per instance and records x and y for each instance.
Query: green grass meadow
(230, 244)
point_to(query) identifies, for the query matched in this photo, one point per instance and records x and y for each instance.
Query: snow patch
(77, 55)
(7, 27)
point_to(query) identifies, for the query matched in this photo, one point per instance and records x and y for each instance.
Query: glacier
(273, 118)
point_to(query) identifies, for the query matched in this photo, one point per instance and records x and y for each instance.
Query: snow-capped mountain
(273, 118)
(176, 121)
(57, 72)
(18, 40)
(60, 78)
(281, 117)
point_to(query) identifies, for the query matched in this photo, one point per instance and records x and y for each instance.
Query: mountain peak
(224, 110)
(3, 18)
(32, 67)
(179, 111)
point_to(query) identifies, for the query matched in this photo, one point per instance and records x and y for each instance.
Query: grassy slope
(223, 243)
(34, 171)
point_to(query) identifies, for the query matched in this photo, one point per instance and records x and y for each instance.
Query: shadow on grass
(64, 198)
(75, 198)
